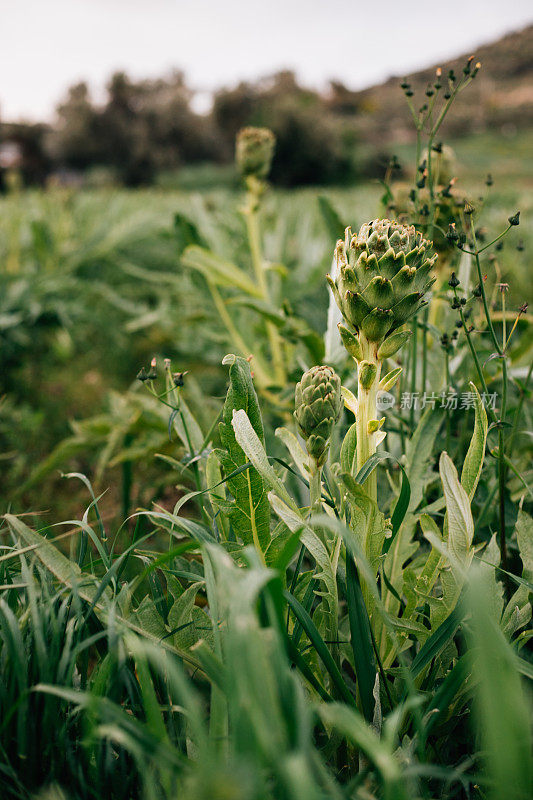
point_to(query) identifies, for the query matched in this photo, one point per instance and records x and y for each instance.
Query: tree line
(147, 127)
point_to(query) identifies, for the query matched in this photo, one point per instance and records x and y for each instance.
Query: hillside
(500, 97)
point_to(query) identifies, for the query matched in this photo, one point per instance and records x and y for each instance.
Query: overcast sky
(46, 45)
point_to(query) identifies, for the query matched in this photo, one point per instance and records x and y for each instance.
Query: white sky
(46, 45)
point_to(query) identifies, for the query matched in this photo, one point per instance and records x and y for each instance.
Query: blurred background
(117, 128)
(99, 91)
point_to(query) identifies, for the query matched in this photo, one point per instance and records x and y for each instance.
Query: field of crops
(205, 594)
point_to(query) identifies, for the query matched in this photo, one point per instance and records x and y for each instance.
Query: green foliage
(249, 515)
(235, 618)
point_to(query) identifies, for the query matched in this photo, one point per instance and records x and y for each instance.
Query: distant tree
(142, 128)
(127, 141)
(314, 144)
(77, 139)
(233, 109)
(29, 141)
(342, 100)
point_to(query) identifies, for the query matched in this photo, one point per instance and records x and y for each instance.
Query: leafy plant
(285, 609)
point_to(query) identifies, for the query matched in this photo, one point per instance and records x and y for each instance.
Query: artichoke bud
(351, 342)
(254, 150)
(392, 344)
(382, 274)
(367, 374)
(318, 405)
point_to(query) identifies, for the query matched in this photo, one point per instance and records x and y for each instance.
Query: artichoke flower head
(382, 275)
(254, 150)
(318, 405)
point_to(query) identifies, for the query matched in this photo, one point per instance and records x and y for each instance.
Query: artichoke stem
(315, 486)
(366, 411)
(254, 239)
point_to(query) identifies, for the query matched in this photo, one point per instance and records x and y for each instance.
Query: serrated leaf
(189, 622)
(524, 535)
(473, 463)
(149, 618)
(459, 514)
(254, 449)
(348, 449)
(250, 515)
(419, 451)
(457, 547)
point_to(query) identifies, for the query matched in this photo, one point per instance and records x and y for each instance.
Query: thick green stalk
(254, 238)
(315, 486)
(367, 412)
(260, 370)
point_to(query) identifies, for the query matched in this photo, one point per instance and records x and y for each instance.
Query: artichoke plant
(381, 277)
(254, 150)
(318, 404)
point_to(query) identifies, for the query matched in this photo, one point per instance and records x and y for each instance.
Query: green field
(194, 601)
(105, 264)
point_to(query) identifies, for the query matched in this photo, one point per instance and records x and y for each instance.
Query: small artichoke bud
(367, 374)
(351, 342)
(392, 344)
(254, 151)
(318, 406)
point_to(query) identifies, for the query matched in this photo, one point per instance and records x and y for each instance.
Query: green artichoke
(318, 405)
(254, 151)
(382, 276)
